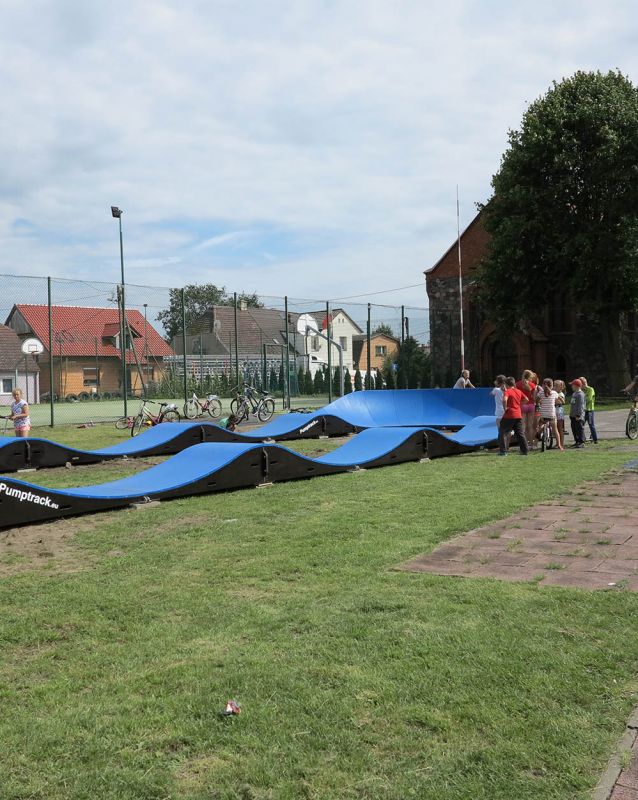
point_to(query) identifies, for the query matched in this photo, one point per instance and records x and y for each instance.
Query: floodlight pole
(117, 214)
(458, 236)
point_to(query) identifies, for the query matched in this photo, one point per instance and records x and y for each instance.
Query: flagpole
(458, 235)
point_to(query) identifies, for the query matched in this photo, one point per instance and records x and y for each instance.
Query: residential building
(382, 347)
(557, 341)
(86, 348)
(211, 339)
(17, 370)
(343, 331)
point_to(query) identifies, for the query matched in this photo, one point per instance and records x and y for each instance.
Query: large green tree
(564, 212)
(198, 299)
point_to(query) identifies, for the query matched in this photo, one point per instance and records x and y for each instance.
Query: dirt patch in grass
(41, 547)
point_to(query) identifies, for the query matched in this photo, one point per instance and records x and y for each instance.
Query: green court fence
(88, 351)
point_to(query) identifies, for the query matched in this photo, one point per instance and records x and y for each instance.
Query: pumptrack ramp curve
(206, 468)
(433, 408)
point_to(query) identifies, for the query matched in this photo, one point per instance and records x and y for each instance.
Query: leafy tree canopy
(199, 298)
(564, 212)
(385, 329)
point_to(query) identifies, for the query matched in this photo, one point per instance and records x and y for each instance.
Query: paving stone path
(587, 539)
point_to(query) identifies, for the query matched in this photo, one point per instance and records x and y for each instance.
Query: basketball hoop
(32, 347)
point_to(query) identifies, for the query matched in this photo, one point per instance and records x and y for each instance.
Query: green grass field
(356, 680)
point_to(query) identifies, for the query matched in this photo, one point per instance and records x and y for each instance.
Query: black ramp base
(355, 412)
(205, 468)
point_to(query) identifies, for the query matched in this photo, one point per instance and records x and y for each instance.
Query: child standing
(548, 398)
(577, 413)
(497, 393)
(20, 414)
(590, 401)
(559, 386)
(512, 419)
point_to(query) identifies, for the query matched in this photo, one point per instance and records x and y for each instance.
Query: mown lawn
(356, 681)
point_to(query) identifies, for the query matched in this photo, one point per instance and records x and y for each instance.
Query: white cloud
(208, 121)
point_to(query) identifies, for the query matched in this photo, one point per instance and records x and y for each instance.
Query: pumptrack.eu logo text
(28, 497)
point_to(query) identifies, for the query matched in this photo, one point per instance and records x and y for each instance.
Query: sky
(309, 148)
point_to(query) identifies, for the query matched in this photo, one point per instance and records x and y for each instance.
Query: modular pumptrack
(392, 427)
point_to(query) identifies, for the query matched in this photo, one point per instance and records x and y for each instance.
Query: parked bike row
(246, 403)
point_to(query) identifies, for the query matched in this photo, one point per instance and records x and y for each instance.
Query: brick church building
(558, 342)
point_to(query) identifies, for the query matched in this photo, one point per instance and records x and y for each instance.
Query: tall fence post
(329, 343)
(264, 373)
(368, 383)
(51, 376)
(287, 367)
(183, 298)
(236, 343)
(122, 305)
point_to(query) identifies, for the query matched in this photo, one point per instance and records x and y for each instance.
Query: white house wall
(19, 380)
(342, 327)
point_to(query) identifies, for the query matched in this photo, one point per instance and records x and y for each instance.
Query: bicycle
(195, 407)
(168, 413)
(546, 436)
(246, 403)
(631, 426)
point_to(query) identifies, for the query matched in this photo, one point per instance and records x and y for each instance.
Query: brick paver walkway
(586, 539)
(626, 787)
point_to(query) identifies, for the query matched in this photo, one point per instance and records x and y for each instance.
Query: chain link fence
(85, 351)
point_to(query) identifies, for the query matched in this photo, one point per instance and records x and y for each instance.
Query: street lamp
(117, 214)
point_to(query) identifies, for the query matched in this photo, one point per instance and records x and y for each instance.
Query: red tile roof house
(86, 347)
(17, 371)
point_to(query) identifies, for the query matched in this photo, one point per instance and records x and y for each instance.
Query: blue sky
(308, 148)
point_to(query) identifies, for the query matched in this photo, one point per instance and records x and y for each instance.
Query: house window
(343, 341)
(7, 385)
(91, 376)
(380, 350)
(316, 343)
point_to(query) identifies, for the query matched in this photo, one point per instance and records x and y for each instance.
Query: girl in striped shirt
(548, 398)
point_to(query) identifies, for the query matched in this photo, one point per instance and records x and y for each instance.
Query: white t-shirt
(461, 383)
(497, 394)
(548, 404)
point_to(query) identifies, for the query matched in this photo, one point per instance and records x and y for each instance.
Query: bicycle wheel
(631, 428)
(550, 438)
(266, 409)
(241, 412)
(214, 408)
(543, 438)
(171, 416)
(234, 404)
(123, 423)
(138, 424)
(191, 409)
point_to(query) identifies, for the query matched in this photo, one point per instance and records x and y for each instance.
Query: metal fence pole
(51, 387)
(402, 324)
(201, 363)
(287, 405)
(368, 383)
(184, 345)
(328, 334)
(265, 374)
(236, 343)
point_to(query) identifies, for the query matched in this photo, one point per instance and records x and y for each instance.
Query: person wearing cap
(590, 401)
(577, 413)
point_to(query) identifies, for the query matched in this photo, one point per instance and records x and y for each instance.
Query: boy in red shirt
(512, 418)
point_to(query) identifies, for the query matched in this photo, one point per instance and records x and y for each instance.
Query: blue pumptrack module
(200, 466)
(434, 408)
